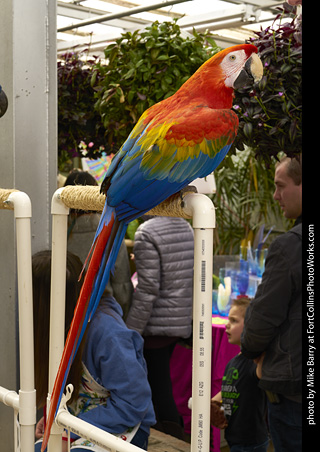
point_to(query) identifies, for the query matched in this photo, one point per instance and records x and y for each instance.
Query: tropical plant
(270, 115)
(79, 125)
(244, 201)
(143, 68)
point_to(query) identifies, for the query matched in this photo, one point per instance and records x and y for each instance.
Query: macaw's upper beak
(3, 102)
(251, 73)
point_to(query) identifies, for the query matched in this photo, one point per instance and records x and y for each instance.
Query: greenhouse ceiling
(98, 22)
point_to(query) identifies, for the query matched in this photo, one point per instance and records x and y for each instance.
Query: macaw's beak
(3, 102)
(251, 73)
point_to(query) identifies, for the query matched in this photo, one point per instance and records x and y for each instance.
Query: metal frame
(236, 16)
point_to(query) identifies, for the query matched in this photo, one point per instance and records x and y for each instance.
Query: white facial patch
(232, 64)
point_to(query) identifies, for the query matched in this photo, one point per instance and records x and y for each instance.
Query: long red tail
(74, 334)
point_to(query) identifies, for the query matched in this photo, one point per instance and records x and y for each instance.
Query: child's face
(234, 326)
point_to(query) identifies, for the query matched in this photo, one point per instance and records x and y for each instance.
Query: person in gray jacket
(161, 309)
(273, 323)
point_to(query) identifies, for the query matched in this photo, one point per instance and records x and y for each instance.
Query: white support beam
(128, 12)
(80, 14)
(28, 155)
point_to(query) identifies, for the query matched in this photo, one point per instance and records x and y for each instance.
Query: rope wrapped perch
(4, 195)
(89, 198)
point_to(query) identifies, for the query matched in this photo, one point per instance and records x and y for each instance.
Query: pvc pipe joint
(27, 407)
(21, 203)
(57, 206)
(9, 398)
(201, 209)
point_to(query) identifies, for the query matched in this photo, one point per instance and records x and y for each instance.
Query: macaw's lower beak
(251, 73)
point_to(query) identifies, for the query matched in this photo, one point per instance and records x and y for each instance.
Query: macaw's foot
(184, 191)
(188, 189)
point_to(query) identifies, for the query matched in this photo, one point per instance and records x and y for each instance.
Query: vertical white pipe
(57, 301)
(203, 215)
(27, 396)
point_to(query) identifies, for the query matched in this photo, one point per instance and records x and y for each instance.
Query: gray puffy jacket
(162, 301)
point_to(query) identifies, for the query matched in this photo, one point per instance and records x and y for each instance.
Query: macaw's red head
(229, 69)
(235, 66)
(240, 65)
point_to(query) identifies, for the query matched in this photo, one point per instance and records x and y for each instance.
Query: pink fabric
(181, 375)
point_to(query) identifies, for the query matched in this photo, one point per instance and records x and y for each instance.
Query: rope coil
(88, 197)
(4, 195)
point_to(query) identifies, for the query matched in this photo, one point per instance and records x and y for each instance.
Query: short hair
(241, 302)
(294, 168)
(78, 177)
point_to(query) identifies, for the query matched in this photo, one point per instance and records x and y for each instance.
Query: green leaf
(130, 73)
(154, 53)
(132, 227)
(247, 129)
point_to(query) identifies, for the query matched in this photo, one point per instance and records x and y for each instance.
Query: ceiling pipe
(129, 12)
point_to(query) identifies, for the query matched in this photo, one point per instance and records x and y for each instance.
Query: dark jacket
(273, 321)
(162, 301)
(82, 230)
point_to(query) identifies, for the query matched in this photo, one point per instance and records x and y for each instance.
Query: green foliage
(271, 115)
(77, 119)
(244, 201)
(99, 102)
(143, 68)
(132, 227)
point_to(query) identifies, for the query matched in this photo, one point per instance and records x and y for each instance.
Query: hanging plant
(143, 68)
(270, 117)
(80, 131)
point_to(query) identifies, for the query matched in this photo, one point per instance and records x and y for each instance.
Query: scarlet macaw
(183, 137)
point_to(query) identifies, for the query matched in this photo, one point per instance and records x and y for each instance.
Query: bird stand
(24, 403)
(200, 209)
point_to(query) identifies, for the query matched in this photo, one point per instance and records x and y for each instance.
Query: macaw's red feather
(206, 123)
(76, 325)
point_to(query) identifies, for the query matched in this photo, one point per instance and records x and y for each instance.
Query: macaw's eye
(232, 57)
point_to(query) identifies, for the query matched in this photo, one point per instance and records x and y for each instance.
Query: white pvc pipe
(202, 211)
(27, 394)
(57, 302)
(9, 398)
(98, 436)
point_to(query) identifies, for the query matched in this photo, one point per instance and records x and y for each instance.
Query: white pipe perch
(196, 206)
(57, 302)
(20, 203)
(103, 439)
(201, 209)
